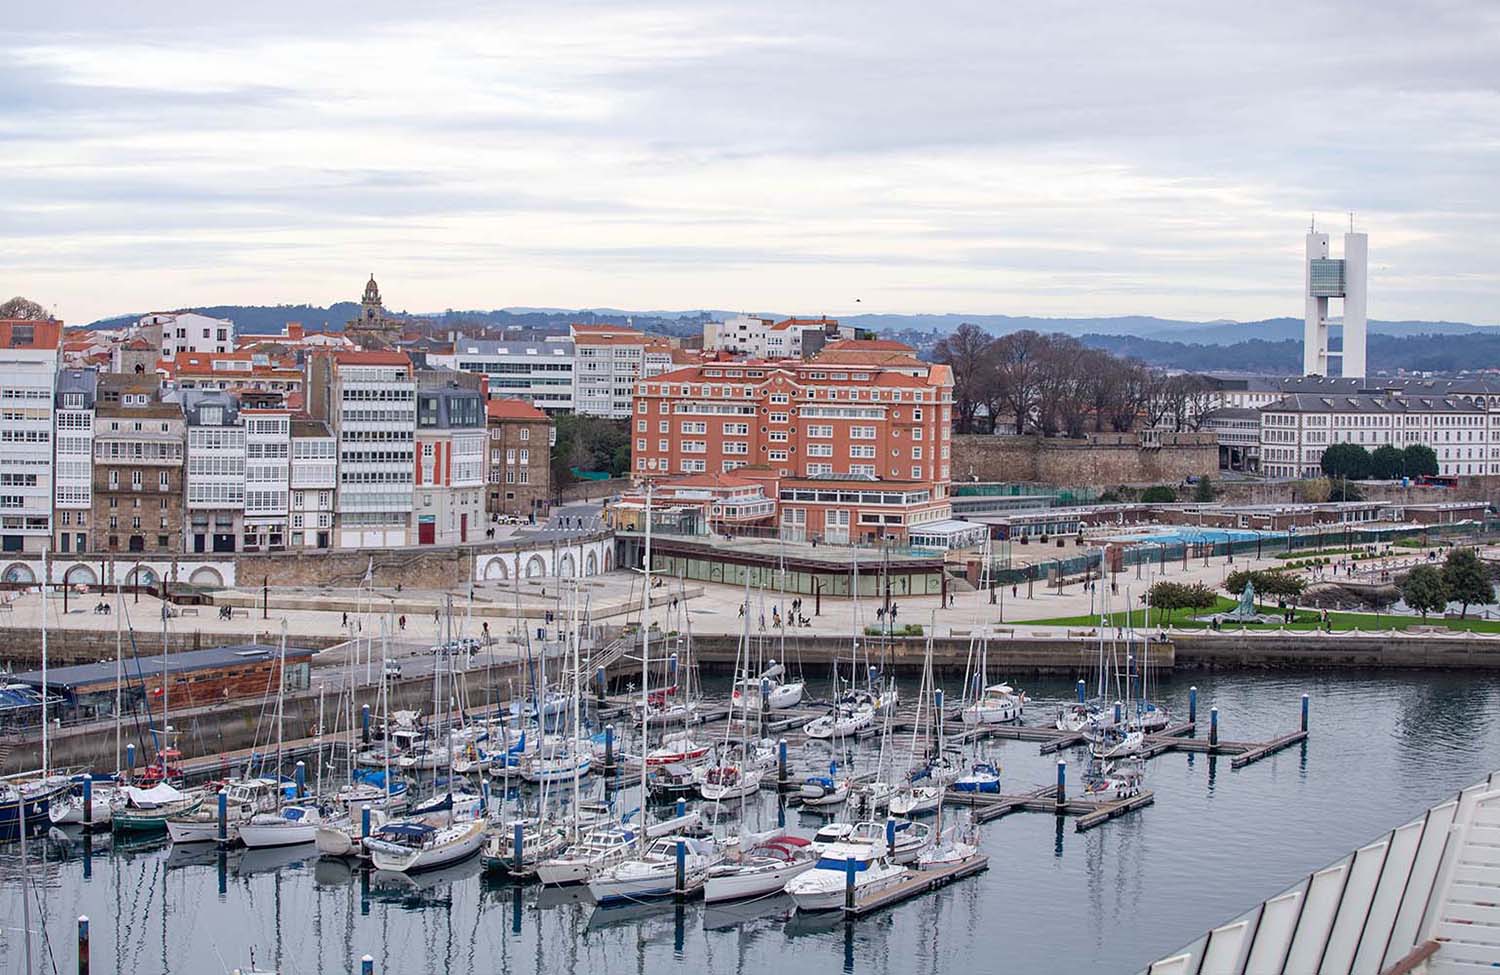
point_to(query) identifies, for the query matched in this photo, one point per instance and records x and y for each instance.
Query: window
(820, 450)
(736, 429)
(640, 444)
(862, 433)
(640, 427)
(916, 473)
(777, 398)
(820, 431)
(862, 469)
(863, 451)
(916, 453)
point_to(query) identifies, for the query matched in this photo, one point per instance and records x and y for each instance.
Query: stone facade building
(448, 503)
(138, 468)
(518, 465)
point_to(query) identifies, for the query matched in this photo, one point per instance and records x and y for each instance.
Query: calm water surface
(1216, 841)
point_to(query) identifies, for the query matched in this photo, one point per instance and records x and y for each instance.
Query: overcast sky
(1021, 158)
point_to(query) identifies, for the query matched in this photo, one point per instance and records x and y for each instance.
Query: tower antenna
(1312, 225)
(1351, 221)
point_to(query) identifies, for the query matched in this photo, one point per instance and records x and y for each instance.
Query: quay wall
(1019, 654)
(1098, 460)
(21, 647)
(1336, 651)
(238, 725)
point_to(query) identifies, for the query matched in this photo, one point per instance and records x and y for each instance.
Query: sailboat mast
(119, 669)
(166, 688)
(46, 753)
(281, 704)
(645, 661)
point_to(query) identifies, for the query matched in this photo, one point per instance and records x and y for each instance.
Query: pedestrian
(893, 613)
(1012, 592)
(345, 624)
(484, 628)
(401, 622)
(436, 618)
(742, 610)
(762, 621)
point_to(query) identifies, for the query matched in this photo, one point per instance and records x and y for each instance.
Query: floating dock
(919, 882)
(1090, 812)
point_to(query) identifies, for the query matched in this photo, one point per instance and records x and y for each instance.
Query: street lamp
(137, 577)
(265, 597)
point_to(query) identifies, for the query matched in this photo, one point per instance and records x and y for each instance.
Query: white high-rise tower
(1335, 278)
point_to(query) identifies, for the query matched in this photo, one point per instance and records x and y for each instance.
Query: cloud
(1020, 158)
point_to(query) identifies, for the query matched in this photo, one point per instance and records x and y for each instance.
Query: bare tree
(968, 352)
(24, 309)
(1019, 365)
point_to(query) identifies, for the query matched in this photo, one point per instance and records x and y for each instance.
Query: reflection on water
(1216, 840)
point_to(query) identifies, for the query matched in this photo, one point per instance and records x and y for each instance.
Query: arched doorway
(80, 575)
(19, 572)
(535, 566)
(567, 568)
(495, 569)
(591, 564)
(207, 577)
(609, 559)
(144, 576)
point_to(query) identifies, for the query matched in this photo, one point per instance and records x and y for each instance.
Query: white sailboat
(412, 845)
(654, 873)
(763, 869)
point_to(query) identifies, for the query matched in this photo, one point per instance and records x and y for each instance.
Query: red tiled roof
(868, 345)
(346, 357)
(787, 323)
(507, 408)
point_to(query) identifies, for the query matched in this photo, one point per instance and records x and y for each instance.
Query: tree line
(1386, 463)
(1055, 385)
(1462, 579)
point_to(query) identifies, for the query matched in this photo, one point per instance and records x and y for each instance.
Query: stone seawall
(21, 648)
(1338, 651)
(1021, 654)
(1099, 460)
(207, 731)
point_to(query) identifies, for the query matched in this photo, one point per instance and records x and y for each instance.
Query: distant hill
(1387, 353)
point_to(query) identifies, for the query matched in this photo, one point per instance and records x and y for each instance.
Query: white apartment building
(28, 378)
(369, 400)
(539, 372)
(608, 361)
(766, 338)
(186, 331)
(314, 479)
(268, 448)
(1463, 430)
(215, 502)
(73, 459)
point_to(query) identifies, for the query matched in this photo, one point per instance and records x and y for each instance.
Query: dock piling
(299, 776)
(1082, 690)
(609, 749)
(781, 765)
(223, 818)
(1213, 727)
(516, 845)
(1119, 711)
(849, 866)
(130, 757)
(681, 888)
(681, 808)
(1193, 704)
(364, 820)
(367, 966)
(364, 723)
(601, 685)
(83, 944)
(88, 791)
(1062, 781)
(1304, 712)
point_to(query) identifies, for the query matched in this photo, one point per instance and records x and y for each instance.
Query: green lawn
(1306, 619)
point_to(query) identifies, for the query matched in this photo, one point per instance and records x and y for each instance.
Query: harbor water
(1383, 747)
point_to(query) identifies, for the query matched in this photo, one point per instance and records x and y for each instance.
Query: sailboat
(654, 874)
(244, 799)
(992, 703)
(825, 790)
(412, 845)
(728, 779)
(921, 788)
(764, 868)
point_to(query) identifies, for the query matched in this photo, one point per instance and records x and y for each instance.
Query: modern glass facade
(1326, 278)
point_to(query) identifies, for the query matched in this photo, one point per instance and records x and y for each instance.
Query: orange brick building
(852, 452)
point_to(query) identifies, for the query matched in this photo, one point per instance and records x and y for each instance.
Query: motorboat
(845, 720)
(829, 834)
(147, 810)
(723, 782)
(411, 845)
(998, 704)
(825, 886)
(654, 874)
(983, 777)
(292, 825)
(243, 799)
(762, 870)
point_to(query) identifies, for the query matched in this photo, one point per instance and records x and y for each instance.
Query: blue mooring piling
(367, 966)
(1304, 712)
(781, 763)
(364, 723)
(516, 845)
(601, 684)
(1083, 690)
(1062, 781)
(609, 749)
(1213, 727)
(681, 887)
(1119, 711)
(88, 798)
(223, 818)
(130, 757)
(1193, 704)
(681, 807)
(300, 777)
(364, 820)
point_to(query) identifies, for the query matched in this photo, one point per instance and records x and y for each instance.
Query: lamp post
(136, 576)
(265, 597)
